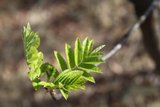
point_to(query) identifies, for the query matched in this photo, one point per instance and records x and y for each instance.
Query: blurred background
(128, 78)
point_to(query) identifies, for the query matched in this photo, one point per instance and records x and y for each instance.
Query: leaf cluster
(75, 69)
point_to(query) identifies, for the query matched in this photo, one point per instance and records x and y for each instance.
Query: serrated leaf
(74, 78)
(50, 70)
(78, 52)
(34, 73)
(85, 47)
(96, 54)
(61, 61)
(89, 68)
(83, 87)
(90, 46)
(61, 76)
(70, 80)
(34, 40)
(98, 49)
(30, 38)
(74, 87)
(64, 93)
(46, 84)
(69, 56)
(35, 84)
(75, 71)
(92, 60)
(88, 77)
(60, 85)
(68, 76)
(34, 58)
(76, 83)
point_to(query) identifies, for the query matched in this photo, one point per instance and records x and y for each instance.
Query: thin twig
(51, 93)
(124, 39)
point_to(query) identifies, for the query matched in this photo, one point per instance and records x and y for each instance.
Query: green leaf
(75, 70)
(89, 68)
(30, 38)
(98, 49)
(68, 76)
(90, 46)
(85, 47)
(35, 84)
(96, 54)
(75, 83)
(70, 81)
(34, 73)
(60, 60)
(34, 58)
(60, 85)
(75, 87)
(88, 77)
(61, 76)
(92, 60)
(64, 93)
(46, 84)
(78, 52)
(70, 56)
(50, 70)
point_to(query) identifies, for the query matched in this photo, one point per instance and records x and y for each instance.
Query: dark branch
(135, 26)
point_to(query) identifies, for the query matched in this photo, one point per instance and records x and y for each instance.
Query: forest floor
(127, 79)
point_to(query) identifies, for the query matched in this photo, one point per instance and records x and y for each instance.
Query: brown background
(125, 81)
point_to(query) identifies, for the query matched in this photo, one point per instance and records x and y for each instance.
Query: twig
(51, 93)
(135, 26)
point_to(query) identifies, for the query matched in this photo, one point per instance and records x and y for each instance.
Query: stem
(51, 92)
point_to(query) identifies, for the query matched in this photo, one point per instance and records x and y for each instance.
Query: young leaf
(68, 76)
(88, 77)
(78, 51)
(85, 47)
(92, 60)
(34, 73)
(65, 93)
(89, 68)
(34, 58)
(70, 56)
(74, 78)
(78, 83)
(76, 71)
(69, 81)
(98, 49)
(61, 77)
(90, 46)
(46, 84)
(30, 38)
(50, 70)
(35, 84)
(60, 60)
(96, 54)
(75, 87)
